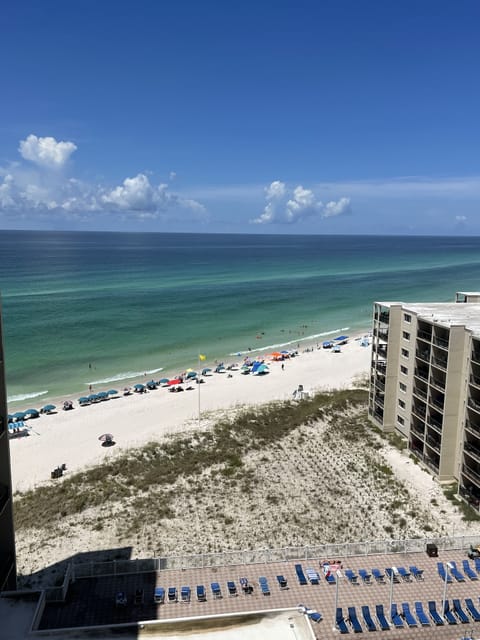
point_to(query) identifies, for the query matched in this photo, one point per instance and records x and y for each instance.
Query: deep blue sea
(103, 308)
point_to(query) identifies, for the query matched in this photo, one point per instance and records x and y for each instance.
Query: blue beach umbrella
(205, 371)
(48, 407)
(10, 417)
(192, 374)
(102, 395)
(112, 392)
(33, 413)
(19, 415)
(93, 397)
(83, 400)
(163, 381)
(139, 386)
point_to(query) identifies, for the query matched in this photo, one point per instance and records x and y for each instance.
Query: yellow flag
(201, 356)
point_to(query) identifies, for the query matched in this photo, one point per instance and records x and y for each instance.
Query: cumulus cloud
(284, 205)
(461, 218)
(46, 152)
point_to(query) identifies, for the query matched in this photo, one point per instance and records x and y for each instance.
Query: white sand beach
(71, 437)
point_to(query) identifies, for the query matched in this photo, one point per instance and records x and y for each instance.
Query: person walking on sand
(283, 366)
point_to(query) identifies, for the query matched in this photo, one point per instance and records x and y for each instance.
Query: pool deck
(91, 601)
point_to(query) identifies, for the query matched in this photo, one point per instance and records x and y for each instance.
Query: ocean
(103, 309)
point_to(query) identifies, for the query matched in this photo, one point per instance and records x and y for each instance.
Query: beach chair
(392, 573)
(216, 591)
(232, 589)
(477, 564)
(407, 615)
(421, 615)
(382, 620)
(365, 576)
(159, 595)
(458, 575)
(416, 573)
(368, 618)
(379, 576)
(448, 613)
(300, 575)
(172, 594)
(352, 616)
(282, 582)
(435, 616)
(468, 570)
(201, 593)
(340, 621)
(185, 594)
(404, 574)
(315, 616)
(247, 588)
(461, 615)
(442, 573)
(265, 589)
(395, 617)
(313, 576)
(352, 578)
(472, 610)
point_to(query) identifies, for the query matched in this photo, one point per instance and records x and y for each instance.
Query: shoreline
(71, 437)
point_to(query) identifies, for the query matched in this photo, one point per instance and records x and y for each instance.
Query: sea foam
(297, 340)
(25, 396)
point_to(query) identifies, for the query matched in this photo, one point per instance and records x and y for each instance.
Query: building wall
(7, 536)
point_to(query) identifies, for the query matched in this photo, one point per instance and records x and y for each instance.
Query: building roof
(447, 314)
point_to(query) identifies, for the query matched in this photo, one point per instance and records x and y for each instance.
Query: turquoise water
(103, 308)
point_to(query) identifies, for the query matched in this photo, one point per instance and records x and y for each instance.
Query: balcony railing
(476, 355)
(381, 350)
(440, 362)
(421, 374)
(436, 382)
(475, 380)
(424, 335)
(380, 385)
(437, 403)
(419, 411)
(472, 451)
(440, 342)
(434, 444)
(433, 422)
(417, 431)
(420, 392)
(379, 400)
(471, 426)
(471, 474)
(473, 404)
(423, 354)
(384, 317)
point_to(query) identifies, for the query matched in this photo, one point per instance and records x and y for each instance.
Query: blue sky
(260, 117)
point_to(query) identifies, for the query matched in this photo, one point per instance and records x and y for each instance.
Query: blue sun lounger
(352, 616)
(340, 621)
(468, 570)
(392, 574)
(185, 594)
(159, 595)
(461, 615)
(435, 616)
(265, 589)
(459, 577)
(313, 576)
(406, 575)
(365, 576)
(421, 615)
(477, 564)
(351, 576)
(407, 615)
(216, 591)
(378, 575)
(315, 616)
(382, 621)
(172, 594)
(416, 573)
(232, 588)
(201, 593)
(282, 582)
(472, 609)
(395, 617)
(300, 575)
(367, 616)
(448, 613)
(443, 574)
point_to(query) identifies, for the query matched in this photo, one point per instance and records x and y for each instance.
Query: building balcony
(436, 424)
(419, 411)
(472, 451)
(421, 374)
(417, 431)
(470, 494)
(470, 473)
(433, 444)
(437, 402)
(442, 363)
(381, 351)
(384, 317)
(380, 385)
(475, 380)
(420, 392)
(474, 404)
(476, 355)
(424, 335)
(440, 342)
(472, 427)
(379, 400)
(423, 354)
(437, 383)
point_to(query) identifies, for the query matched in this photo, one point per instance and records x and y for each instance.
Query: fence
(265, 556)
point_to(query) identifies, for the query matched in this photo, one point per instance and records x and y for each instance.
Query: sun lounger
(421, 615)
(435, 616)
(232, 589)
(352, 616)
(314, 616)
(313, 576)
(185, 594)
(391, 573)
(406, 575)
(368, 618)
(351, 576)
(469, 571)
(340, 621)
(159, 595)
(382, 620)
(407, 615)
(282, 583)
(472, 609)
(172, 594)
(378, 575)
(265, 589)
(477, 564)
(448, 613)
(395, 617)
(201, 593)
(416, 573)
(442, 572)
(458, 575)
(461, 615)
(300, 575)
(216, 591)
(365, 576)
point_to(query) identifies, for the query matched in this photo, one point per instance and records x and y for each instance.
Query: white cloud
(46, 152)
(461, 218)
(286, 206)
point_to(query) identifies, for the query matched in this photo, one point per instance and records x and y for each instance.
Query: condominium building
(8, 577)
(425, 384)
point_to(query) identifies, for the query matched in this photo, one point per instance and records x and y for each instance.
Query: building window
(401, 403)
(404, 370)
(407, 317)
(405, 353)
(400, 420)
(403, 387)
(406, 335)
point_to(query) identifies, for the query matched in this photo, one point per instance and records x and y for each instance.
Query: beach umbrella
(49, 407)
(34, 413)
(83, 400)
(19, 415)
(102, 395)
(152, 384)
(192, 374)
(163, 381)
(263, 369)
(112, 392)
(205, 371)
(10, 417)
(174, 381)
(139, 386)
(93, 397)
(105, 437)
